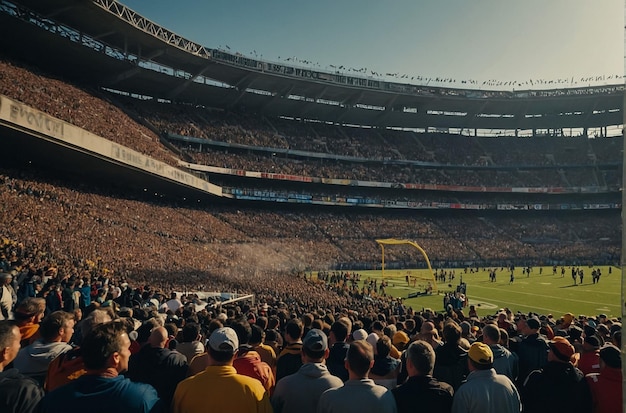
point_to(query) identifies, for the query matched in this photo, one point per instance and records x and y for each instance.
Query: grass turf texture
(543, 294)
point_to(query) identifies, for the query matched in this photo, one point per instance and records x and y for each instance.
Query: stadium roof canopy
(102, 43)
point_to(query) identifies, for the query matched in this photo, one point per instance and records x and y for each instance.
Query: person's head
(359, 358)
(383, 346)
(222, 345)
(591, 344)
(479, 357)
(315, 346)
(94, 318)
(420, 358)
(377, 327)
(31, 309)
(504, 338)
(359, 334)
(243, 330)
(427, 328)
(339, 331)
(191, 332)
(400, 340)
(409, 325)
(348, 322)
(610, 356)
(531, 326)
(307, 320)
(262, 322)
(451, 332)
(257, 335)
(57, 326)
(5, 278)
(491, 334)
(107, 347)
(294, 329)
(159, 337)
(567, 319)
(9, 342)
(561, 350)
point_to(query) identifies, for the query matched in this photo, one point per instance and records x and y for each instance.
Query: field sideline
(543, 294)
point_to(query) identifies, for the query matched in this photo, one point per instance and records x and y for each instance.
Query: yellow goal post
(393, 241)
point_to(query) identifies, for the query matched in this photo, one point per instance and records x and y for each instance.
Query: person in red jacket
(606, 386)
(589, 361)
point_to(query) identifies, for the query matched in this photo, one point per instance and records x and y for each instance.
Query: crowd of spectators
(82, 107)
(73, 223)
(65, 313)
(113, 117)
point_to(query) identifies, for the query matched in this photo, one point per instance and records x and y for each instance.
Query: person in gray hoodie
(504, 362)
(301, 391)
(55, 330)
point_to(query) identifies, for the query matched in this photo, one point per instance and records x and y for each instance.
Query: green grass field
(543, 294)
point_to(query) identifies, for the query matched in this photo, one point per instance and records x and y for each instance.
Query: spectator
(70, 365)
(589, 361)
(504, 362)
(248, 362)
(339, 332)
(422, 391)
(106, 352)
(485, 391)
(606, 386)
(190, 346)
(557, 377)
(157, 365)
(273, 339)
(300, 392)
(18, 393)
(56, 331)
(532, 349)
(429, 333)
(266, 352)
(219, 387)
(359, 393)
(386, 368)
(401, 340)
(28, 314)
(451, 362)
(467, 334)
(289, 360)
(8, 296)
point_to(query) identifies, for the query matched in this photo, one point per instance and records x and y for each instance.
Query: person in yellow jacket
(219, 387)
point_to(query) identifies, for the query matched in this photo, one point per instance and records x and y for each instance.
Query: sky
(486, 44)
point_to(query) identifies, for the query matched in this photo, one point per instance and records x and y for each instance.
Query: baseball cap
(372, 338)
(224, 339)
(611, 356)
(315, 340)
(568, 317)
(400, 337)
(592, 342)
(480, 353)
(359, 334)
(562, 348)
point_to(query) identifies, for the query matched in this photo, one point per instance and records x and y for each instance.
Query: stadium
(139, 153)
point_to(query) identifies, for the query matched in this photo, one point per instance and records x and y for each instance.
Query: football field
(542, 293)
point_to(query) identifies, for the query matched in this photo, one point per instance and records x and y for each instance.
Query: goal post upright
(393, 241)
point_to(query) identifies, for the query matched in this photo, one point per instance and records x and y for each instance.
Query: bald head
(158, 337)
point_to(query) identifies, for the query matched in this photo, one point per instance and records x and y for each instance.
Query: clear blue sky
(479, 40)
